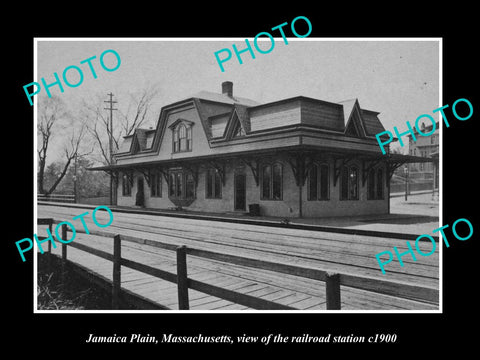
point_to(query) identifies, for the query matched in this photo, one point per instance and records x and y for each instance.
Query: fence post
(64, 254)
(182, 280)
(50, 243)
(332, 283)
(116, 271)
(49, 258)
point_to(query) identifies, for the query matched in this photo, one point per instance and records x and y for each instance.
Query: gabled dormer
(135, 147)
(360, 122)
(354, 124)
(238, 130)
(238, 124)
(141, 140)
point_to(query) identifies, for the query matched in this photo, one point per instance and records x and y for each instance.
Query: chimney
(227, 88)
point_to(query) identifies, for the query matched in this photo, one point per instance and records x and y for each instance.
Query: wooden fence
(332, 280)
(64, 198)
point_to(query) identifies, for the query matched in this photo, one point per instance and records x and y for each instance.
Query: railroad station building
(296, 157)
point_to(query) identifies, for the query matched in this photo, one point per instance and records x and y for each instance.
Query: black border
(416, 332)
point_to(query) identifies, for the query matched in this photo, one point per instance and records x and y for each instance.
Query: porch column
(299, 169)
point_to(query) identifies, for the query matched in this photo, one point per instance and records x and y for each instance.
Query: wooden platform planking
(288, 293)
(352, 254)
(329, 242)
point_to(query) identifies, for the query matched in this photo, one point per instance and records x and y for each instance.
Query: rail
(64, 198)
(332, 281)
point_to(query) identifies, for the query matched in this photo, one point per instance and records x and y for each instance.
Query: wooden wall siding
(209, 109)
(218, 124)
(372, 123)
(202, 148)
(277, 115)
(242, 113)
(342, 142)
(327, 116)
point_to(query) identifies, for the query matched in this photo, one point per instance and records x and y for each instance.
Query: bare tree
(135, 115)
(98, 127)
(56, 123)
(50, 112)
(138, 109)
(71, 150)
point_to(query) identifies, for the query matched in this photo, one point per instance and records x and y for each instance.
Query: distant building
(428, 147)
(297, 157)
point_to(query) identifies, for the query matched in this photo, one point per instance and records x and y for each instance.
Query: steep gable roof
(360, 122)
(242, 113)
(233, 126)
(372, 123)
(141, 136)
(347, 109)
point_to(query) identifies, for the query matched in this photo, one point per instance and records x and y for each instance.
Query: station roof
(396, 159)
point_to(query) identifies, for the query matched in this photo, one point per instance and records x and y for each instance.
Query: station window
(318, 186)
(272, 182)
(349, 183)
(182, 138)
(189, 186)
(181, 185)
(375, 184)
(156, 184)
(126, 186)
(371, 185)
(379, 184)
(213, 184)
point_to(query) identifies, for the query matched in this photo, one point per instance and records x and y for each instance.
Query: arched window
(375, 184)
(379, 184)
(313, 183)
(126, 186)
(182, 137)
(181, 185)
(213, 184)
(156, 184)
(349, 183)
(171, 185)
(371, 185)
(266, 181)
(353, 184)
(324, 192)
(318, 186)
(272, 182)
(175, 140)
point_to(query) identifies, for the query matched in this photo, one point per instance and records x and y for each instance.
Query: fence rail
(332, 281)
(64, 198)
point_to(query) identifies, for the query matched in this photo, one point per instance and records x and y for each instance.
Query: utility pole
(110, 141)
(406, 170)
(75, 179)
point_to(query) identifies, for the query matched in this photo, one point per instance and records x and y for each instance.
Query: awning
(394, 159)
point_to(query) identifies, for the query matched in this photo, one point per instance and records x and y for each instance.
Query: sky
(397, 78)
